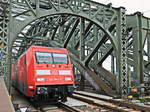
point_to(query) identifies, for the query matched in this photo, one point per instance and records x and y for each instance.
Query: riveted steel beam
(96, 47)
(71, 32)
(30, 7)
(4, 41)
(87, 29)
(138, 24)
(82, 49)
(122, 54)
(5, 53)
(96, 36)
(53, 35)
(140, 48)
(148, 45)
(98, 44)
(104, 56)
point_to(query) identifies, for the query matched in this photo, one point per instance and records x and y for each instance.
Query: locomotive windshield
(44, 57)
(47, 57)
(60, 58)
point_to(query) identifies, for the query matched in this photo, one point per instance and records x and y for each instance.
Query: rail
(114, 102)
(68, 108)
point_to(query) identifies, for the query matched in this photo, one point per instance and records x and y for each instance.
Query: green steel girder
(147, 63)
(130, 62)
(122, 53)
(71, 33)
(148, 47)
(68, 25)
(82, 51)
(145, 24)
(87, 31)
(5, 52)
(96, 36)
(140, 27)
(53, 35)
(4, 37)
(82, 40)
(97, 46)
(104, 56)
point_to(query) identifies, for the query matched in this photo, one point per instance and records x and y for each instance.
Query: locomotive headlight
(43, 72)
(40, 79)
(64, 72)
(68, 78)
(30, 87)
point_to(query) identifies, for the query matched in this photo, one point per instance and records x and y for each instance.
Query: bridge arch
(31, 20)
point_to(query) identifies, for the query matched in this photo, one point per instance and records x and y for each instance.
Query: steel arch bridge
(90, 31)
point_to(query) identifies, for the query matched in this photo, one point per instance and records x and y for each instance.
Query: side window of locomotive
(60, 58)
(43, 57)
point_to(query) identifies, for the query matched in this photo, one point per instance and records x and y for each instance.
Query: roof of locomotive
(43, 47)
(55, 49)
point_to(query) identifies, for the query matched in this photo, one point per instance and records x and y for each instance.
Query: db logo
(54, 72)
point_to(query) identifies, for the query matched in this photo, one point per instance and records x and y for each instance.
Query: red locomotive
(44, 72)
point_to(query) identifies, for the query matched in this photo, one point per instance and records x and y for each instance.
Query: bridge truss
(91, 32)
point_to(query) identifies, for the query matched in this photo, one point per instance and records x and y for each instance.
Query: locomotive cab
(53, 75)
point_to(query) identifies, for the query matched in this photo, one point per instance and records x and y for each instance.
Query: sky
(131, 6)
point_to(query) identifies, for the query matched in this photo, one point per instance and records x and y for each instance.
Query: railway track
(86, 103)
(68, 108)
(51, 107)
(21, 102)
(110, 105)
(60, 107)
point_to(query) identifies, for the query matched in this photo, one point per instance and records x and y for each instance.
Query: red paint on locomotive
(40, 70)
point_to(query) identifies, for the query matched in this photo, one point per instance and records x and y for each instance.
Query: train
(44, 73)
